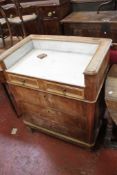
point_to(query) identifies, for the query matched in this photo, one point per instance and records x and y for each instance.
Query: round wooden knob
(49, 14)
(54, 12)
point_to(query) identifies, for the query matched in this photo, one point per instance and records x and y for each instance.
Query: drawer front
(64, 90)
(48, 12)
(89, 29)
(58, 12)
(57, 121)
(29, 95)
(23, 81)
(53, 88)
(51, 27)
(114, 32)
(82, 29)
(68, 106)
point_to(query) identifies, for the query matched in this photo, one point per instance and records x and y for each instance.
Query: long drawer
(69, 106)
(54, 120)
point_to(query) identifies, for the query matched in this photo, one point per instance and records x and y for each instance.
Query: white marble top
(59, 66)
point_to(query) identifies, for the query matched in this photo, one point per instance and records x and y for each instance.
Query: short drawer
(23, 81)
(65, 90)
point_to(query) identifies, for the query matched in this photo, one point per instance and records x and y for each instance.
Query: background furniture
(111, 102)
(105, 4)
(91, 5)
(91, 24)
(5, 29)
(50, 13)
(20, 19)
(3, 32)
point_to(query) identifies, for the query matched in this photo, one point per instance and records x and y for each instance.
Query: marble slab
(64, 62)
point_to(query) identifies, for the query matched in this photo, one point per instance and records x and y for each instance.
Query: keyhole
(64, 91)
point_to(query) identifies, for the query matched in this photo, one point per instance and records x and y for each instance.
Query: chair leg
(21, 31)
(3, 41)
(11, 40)
(2, 36)
(10, 34)
(108, 138)
(16, 31)
(24, 34)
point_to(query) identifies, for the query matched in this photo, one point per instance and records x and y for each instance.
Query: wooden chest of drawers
(60, 94)
(91, 24)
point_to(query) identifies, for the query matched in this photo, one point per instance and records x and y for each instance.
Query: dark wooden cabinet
(50, 17)
(91, 24)
(50, 12)
(51, 27)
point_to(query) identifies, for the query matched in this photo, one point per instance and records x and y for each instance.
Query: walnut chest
(91, 24)
(56, 84)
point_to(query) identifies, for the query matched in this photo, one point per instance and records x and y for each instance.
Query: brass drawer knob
(54, 12)
(49, 14)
